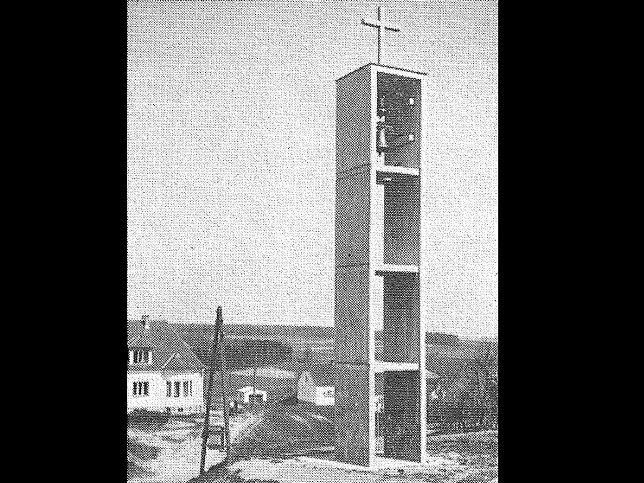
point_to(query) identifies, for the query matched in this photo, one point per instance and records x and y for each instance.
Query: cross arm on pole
(381, 24)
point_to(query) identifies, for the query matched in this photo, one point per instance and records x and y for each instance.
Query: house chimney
(145, 320)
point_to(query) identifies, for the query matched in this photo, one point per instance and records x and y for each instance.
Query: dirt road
(244, 425)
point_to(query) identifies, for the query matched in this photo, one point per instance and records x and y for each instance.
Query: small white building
(316, 385)
(163, 373)
(243, 395)
(277, 382)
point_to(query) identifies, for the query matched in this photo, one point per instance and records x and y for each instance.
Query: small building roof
(266, 372)
(249, 389)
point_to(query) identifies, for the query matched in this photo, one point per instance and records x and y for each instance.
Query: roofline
(168, 361)
(200, 365)
(185, 344)
(386, 67)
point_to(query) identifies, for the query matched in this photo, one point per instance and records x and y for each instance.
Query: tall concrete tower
(380, 144)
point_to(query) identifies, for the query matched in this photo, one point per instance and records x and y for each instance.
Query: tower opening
(401, 218)
(399, 101)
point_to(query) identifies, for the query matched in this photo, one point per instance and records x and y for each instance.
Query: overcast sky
(231, 155)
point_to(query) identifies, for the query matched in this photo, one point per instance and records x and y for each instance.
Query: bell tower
(380, 145)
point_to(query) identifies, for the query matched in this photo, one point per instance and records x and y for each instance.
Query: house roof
(322, 374)
(169, 351)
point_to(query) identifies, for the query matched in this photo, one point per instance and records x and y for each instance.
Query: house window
(140, 388)
(141, 356)
(178, 388)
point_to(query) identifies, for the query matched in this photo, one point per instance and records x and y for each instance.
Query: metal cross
(381, 25)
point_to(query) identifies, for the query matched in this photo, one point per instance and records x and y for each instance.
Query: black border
(85, 150)
(84, 233)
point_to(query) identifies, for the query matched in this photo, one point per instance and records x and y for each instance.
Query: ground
(171, 452)
(290, 446)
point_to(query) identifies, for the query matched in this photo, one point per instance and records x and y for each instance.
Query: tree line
(441, 338)
(240, 353)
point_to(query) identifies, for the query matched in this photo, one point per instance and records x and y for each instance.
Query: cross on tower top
(381, 26)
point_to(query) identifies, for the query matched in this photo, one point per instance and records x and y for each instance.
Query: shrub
(145, 419)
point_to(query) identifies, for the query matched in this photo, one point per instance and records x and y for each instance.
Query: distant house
(276, 382)
(243, 395)
(316, 385)
(163, 374)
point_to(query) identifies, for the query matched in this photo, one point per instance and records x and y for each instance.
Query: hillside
(446, 354)
(266, 331)
(239, 352)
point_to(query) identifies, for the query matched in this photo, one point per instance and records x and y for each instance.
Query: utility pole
(253, 398)
(213, 367)
(224, 379)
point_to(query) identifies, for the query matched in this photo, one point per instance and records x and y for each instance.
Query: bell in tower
(382, 145)
(400, 118)
(381, 135)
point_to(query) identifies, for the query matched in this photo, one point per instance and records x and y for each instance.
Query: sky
(231, 155)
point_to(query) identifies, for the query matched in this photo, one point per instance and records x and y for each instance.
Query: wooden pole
(213, 367)
(252, 404)
(222, 364)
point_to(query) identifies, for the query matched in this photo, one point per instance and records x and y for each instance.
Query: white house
(163, 373)
(316, 385)
(243, 394)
